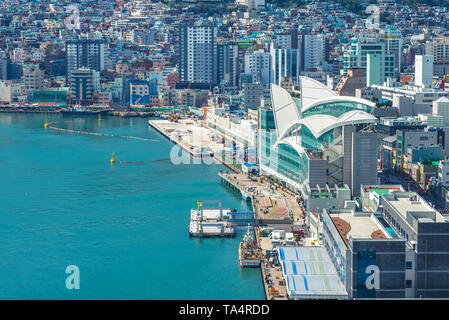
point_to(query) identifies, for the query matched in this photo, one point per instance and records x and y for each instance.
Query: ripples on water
(125, 226)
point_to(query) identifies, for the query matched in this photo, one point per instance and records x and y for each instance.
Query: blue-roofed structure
(310, 274)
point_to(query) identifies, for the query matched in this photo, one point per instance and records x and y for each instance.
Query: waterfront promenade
(271, 202)
(278, 209)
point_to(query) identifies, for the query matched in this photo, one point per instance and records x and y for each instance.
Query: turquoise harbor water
(124, 226)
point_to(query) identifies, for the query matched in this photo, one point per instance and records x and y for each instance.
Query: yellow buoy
(113, 158)
(99, 117)
(46, 124)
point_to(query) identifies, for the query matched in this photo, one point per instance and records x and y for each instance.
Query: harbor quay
(199, 142)
(275, 208)
(193, 139)
(292, 263)
(272, 278)
(67, 110)
(270, 201)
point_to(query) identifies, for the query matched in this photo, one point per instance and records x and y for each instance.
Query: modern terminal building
(319, 139)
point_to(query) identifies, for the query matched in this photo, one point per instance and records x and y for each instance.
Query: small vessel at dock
(87, 110)
(250, 255)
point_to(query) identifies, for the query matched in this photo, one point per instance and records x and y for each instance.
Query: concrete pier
(163, 127)
(272, 203)
(272, 279)
(244, 190)
(193, 138)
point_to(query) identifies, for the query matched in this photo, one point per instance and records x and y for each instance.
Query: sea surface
(124, 225)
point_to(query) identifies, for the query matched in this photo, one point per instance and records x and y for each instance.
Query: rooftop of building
(390, 139)
(410, 89)
(382, 189)
(402, 120)
(357, 225)
(318, 190)
(412, 207)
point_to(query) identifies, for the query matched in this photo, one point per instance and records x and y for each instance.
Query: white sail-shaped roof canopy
(337, 99)
(319, 124)
(312, 90)
(284, 108)
(288, 119)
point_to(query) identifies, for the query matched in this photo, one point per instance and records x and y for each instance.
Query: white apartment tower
(441, 108)
(313, 51)
(423, 70)
(257, 64)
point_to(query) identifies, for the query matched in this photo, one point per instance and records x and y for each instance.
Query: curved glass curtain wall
(268, 137)
(298, 104)
(291, 164)
(336, 109)
(308, 140)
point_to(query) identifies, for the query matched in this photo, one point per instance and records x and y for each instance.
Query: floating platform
(210, 221)
(212, 230)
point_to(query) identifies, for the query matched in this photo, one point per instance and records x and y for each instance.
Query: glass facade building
(300, 137)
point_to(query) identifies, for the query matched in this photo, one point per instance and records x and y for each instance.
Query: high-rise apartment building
(86, 53)
(439, 49)
(357, 56)
(82, 85)
(198, 52)
(3, 66)
(228, 65)
(393, 45)
(285, 63)
(313, 50)
(376, 65)
(257, 64)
